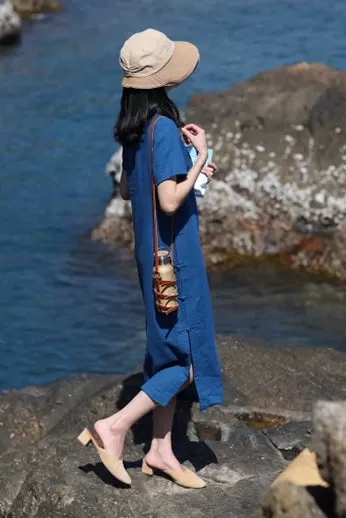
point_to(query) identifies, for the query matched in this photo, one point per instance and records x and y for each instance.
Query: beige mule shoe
(185, 478)
(114, 465)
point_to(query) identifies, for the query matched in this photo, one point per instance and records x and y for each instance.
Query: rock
(286, 500)
(328, 460)
(70, 482)
(27, 415)
(113, 168)
(117, 224)
(316, 496)
(46, 473)
(290, 438)
(27, 8)
(55, 478)
(279, 140)
(280, 381)
(10, 24)
(329, 443)
(286, 193)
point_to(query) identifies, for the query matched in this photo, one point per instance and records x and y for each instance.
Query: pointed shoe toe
(184, 478)
(114, 465)
(187, 478)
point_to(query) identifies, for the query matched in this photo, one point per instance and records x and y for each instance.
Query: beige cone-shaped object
(302, 471)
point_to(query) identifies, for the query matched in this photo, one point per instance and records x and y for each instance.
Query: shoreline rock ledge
(30, 8)
(239, 448)
(313, 486)
(280, 195)
(12, 11)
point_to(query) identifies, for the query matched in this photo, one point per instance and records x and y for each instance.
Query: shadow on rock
(103, 474)
(324, 498)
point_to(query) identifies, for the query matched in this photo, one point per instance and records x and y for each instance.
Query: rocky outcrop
(28, 8)
(11, 12)
(10, 24)
(329, 443)
(280, 142)
(287, 500)
(238, 448)
(116, 225)
(327, 498)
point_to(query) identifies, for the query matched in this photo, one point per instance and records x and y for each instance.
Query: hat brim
(183, 62)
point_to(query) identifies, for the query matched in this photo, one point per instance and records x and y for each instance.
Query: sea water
(68, 305)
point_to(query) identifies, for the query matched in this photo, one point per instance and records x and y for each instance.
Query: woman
(181, 345)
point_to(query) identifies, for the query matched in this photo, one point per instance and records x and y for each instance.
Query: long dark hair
(137, 108)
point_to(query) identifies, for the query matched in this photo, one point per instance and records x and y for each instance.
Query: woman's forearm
(172, 194)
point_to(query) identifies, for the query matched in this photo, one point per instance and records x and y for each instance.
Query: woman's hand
(209, 170)
(195, 135)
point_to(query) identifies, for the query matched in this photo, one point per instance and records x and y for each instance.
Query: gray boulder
(280, 141)
(279, 197)
(10, 24)
(30, 8)
(287, 500)
(45, 473)
(325, 499)
(329, 443)
(55, 477)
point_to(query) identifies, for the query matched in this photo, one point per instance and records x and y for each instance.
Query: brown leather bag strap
(153, 194)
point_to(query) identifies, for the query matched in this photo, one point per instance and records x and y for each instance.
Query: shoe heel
(84, 437)
(147, 470)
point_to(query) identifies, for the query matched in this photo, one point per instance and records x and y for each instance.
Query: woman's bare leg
(114, 428)
(161, 454)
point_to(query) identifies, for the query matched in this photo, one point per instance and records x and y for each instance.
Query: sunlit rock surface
(280, 194)
(239, 448)
(29, 8)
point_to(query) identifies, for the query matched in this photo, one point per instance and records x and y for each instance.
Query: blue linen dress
(186, 337)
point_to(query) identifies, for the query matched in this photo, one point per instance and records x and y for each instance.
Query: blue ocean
(68, 305)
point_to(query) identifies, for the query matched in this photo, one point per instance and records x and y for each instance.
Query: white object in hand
(201, 183)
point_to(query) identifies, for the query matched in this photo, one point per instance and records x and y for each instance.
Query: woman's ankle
(160, 448)
(114, 423)
(162, 458)
(119, 424)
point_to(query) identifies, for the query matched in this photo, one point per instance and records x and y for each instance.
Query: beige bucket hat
(151, 60)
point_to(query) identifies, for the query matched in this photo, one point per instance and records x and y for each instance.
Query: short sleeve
(168, 159)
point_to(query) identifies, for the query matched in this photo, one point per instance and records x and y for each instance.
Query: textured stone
(26, 415)
(45, 473)
(56, 478)
(279, 196)
(286, 500)
(280, 381)
(27, 8)
(290, 438)
(329, 443)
